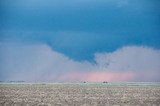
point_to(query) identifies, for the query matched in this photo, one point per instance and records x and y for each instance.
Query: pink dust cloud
(97, 76)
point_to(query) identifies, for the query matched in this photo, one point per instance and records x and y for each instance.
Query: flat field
(80, 94)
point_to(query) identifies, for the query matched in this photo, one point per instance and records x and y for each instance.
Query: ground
(80, 94)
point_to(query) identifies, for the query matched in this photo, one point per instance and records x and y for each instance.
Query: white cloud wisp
(40, 63)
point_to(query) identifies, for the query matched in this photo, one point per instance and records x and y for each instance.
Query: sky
(80, 40)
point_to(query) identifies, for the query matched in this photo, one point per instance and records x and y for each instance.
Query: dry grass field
(80, 94)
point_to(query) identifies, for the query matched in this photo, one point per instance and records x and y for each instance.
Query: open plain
(80, 94)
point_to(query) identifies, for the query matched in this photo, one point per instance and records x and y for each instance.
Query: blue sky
(77, 29)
